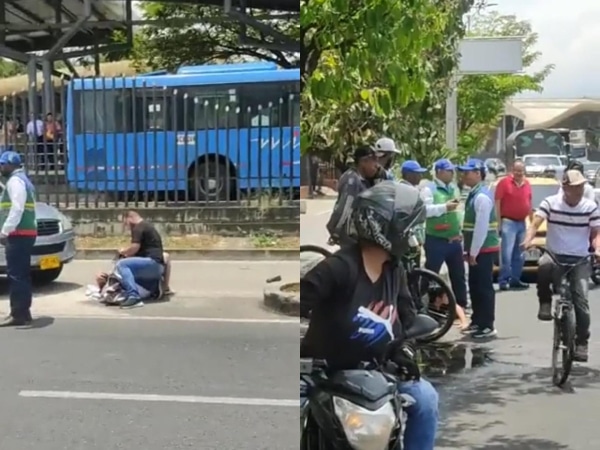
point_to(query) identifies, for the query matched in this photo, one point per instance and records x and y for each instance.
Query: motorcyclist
(358, 300)
(352, 182)
(386, 152)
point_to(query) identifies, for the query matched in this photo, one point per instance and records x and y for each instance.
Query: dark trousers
(439, 251)
(483, 294)
(18, 264)
(549, 274)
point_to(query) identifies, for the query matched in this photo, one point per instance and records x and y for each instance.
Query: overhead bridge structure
(40, 32)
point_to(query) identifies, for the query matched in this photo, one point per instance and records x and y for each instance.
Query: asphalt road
(498, 395)
(210, 369)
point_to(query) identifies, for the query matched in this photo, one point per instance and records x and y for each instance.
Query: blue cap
(10, 157)
(412, 167)
(472, 165)
(443, 164)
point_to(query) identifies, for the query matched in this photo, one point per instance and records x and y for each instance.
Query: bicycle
(426, 284)
(564, 334)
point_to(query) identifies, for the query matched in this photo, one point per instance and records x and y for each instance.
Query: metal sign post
(481, 56)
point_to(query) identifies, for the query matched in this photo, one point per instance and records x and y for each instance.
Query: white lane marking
(237, 401)
(176, 319)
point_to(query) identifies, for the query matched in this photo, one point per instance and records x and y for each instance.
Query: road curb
(254, 254)
(303, 206)
(282, 302)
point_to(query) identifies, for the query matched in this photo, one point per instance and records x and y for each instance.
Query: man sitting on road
(352, 182)
(102, 277)
(572, 221)
(143, 262)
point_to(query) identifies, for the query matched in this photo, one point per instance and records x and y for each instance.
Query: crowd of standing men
(451, 236)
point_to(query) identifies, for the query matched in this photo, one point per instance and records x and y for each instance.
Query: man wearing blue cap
(18, 231)
(443, 228)
(481, 247)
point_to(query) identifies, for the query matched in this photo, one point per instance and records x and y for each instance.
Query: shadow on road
(520, 443)
(56, 287)
(38, 323)
(470, 380)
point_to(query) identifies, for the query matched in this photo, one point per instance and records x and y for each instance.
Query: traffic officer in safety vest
(18, 231)
(481, 245)
(443, 228)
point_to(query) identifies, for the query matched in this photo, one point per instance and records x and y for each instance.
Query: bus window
(107, 111)
(204, 108)
(277, 109)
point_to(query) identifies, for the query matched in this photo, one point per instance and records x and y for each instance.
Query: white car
(54, 246)
(536, 165)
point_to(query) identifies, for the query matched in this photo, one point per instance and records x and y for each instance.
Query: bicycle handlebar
(554, 259)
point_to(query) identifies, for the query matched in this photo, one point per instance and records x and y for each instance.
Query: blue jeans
(439, 251)
(18, 267)
(136, 271)
(511, 255)
(422, 417)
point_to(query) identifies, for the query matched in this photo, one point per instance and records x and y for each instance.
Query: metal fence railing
(139, 145)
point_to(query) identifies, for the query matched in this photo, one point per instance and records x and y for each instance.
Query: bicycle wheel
(436, 298)
(563, 345)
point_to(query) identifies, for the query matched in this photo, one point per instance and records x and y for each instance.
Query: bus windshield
(207, 135)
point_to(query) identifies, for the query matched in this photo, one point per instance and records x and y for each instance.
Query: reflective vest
(448, 225)
(492, 240)
(28, 224)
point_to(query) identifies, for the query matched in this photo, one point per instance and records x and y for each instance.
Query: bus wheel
(212, 188)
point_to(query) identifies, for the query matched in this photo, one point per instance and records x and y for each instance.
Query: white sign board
(493, 55)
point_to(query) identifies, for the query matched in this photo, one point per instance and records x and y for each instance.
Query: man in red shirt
(513, 206)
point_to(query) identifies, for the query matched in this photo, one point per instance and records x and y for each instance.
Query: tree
(481, 98)
(10, 68)
(375, 66)
(212, 38)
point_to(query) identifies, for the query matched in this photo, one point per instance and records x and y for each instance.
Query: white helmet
(386, 145)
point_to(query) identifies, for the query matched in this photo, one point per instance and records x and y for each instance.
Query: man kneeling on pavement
(144, 267)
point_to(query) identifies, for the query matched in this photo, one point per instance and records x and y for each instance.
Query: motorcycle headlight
(65, 223)
(364, 429)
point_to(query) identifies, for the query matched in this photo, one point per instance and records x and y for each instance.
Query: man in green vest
(18, 231)
(443, 228)
(481, 247)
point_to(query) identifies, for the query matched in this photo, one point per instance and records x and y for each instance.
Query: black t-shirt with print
(352, 319)
(148, 237)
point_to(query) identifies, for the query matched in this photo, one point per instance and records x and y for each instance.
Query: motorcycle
(357, 409)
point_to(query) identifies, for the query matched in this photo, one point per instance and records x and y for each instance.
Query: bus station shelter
(37, 33)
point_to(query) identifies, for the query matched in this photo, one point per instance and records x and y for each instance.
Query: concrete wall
(227, 221)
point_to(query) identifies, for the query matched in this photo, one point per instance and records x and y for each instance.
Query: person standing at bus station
(513, 199)
(18, 231)
(481, 246)
(443, 228)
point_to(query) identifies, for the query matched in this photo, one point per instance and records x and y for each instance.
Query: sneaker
(581, 353)
(470, 329)
(519, 285)
(131, 303)
(504, 286)
(545, 312)
(484, 333)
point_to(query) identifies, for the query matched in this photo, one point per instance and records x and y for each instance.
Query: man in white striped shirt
(572, 221)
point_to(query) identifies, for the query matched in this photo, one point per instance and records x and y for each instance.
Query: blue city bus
(210, 132)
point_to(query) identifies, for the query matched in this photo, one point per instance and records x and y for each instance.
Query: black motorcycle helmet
(384, 215)
(575, 165)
